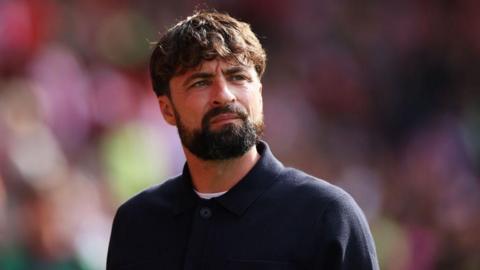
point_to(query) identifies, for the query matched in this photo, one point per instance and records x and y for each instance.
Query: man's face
(217, 108)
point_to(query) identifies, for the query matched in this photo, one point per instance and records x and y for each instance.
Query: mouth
(224, 118)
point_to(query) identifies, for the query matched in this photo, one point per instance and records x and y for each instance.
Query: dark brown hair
(205, 35)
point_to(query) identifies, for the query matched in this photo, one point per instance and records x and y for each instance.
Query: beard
(230, 141)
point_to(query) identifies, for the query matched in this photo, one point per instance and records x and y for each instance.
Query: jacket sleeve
(345, 239)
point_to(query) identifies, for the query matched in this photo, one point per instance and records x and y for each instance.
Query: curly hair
(204, 36)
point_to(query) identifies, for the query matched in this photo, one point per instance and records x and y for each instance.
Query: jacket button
(205, 212)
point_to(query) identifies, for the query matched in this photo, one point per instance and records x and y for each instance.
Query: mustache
(240, 112)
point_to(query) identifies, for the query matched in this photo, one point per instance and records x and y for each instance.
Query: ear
(166, 107)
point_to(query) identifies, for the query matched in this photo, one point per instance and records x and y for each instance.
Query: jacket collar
(244, 193)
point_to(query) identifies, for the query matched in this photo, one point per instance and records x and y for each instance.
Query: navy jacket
(274, 218)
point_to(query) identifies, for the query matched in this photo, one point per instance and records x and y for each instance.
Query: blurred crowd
(379, 97)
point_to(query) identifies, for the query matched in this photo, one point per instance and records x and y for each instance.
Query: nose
(221, 94)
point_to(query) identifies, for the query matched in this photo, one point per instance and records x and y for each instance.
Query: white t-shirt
(208, 196)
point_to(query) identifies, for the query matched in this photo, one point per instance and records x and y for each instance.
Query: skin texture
(214, 83)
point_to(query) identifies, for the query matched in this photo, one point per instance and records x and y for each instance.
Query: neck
(217, 176)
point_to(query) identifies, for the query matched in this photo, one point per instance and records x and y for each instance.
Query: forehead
(216, 66)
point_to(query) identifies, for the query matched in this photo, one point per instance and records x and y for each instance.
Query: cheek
(192, 112)
(256, 107)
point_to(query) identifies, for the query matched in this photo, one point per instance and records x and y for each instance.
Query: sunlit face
(217, 108)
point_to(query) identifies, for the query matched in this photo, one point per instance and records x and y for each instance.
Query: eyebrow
(207, 75)
(234, 70)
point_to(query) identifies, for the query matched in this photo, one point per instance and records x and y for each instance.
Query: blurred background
(379, 97)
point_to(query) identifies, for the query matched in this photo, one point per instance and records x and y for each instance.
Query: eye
(200, 83)
(239, 77)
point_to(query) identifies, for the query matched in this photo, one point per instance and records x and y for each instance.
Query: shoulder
(325, 202)
(137, 219)
(160, 196)
(296, 183)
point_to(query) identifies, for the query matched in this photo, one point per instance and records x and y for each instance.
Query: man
(234, 206)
